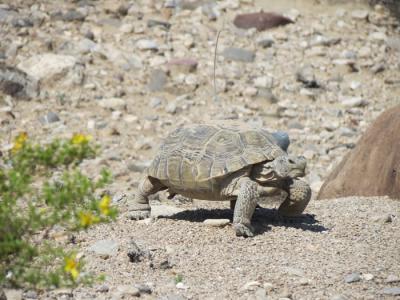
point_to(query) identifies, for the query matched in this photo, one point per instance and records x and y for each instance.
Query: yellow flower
(19, 142)
(104, 205)
(79, 138)
(71, 266)
(87, 218)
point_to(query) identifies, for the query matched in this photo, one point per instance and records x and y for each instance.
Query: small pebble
(216, 222)
(353, 277)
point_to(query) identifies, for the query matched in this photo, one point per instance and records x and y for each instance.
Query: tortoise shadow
(262, 220)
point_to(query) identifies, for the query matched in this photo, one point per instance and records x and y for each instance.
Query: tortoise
(226, 162)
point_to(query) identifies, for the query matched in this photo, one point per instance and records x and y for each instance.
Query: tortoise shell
(201, 152)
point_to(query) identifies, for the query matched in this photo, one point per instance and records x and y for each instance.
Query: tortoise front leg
(297, 200)
(263, 191)
(246, 203)
(140, 208)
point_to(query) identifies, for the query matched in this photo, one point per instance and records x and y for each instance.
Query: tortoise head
(282, 167)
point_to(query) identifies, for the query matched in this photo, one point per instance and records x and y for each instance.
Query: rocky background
(128, 72)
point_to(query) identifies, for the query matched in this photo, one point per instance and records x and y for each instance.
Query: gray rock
(156, 23)
(155, 102)
(393, 43)
(71, 16)
(135, 253)
(282, 139)
(210, 10)
(353, 277)
(103, 288)
(17, 83)
(216, 222)
(51, 117)
(120, 58)
(31, 295)
(7, 15)
(86, 45)
(113, 103)
(158, 79)
(139, 166)
(105, 248)
(378, 67)
(338, 297)
(393, 291)
(392, 279)
(171, 108)
(265, 42)
(144, 288)
(21, 22)
(188, 4)
(306, 76)
(128, 291)
(238, 54)
(267, 95)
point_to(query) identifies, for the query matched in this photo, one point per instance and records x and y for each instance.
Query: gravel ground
(312, 257)
(109, 69)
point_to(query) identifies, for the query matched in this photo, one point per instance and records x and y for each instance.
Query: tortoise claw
(244, 230)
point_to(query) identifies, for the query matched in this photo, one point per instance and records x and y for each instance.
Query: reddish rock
(184, 65)
(372, 168)
(260, 20)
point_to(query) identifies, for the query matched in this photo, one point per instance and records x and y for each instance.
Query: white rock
(181, 286)
(360, 14)
(264, 82)
(367, 277)
(355, 85)
(353, 102)
(48, 65)
(126, 28)
(378, 36)
(131, 118)
(364, 52)
(146, 221)
(216, 222)
(113, 103)
(250, 91)
(250, 286)
(147, 44)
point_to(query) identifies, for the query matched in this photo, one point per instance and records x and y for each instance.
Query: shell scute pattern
(198, 153)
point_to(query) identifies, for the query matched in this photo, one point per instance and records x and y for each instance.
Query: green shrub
(34, 201)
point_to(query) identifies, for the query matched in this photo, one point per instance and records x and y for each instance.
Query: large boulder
(372, 168)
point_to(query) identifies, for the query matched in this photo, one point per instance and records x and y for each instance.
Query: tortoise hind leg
(140, 208)
(297, 200)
